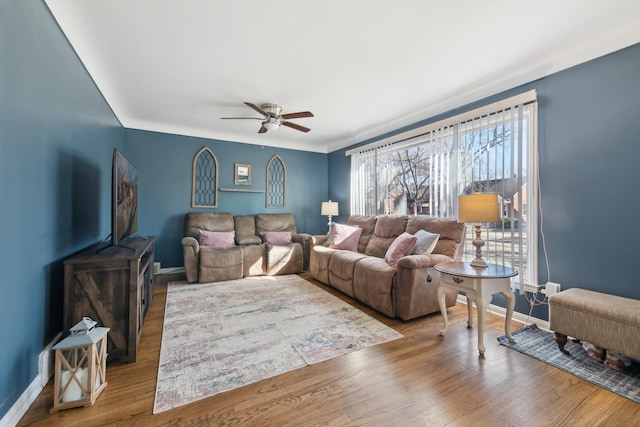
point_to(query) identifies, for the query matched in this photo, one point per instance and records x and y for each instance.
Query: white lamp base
(329, 224)
(479, 263)
(478, 243)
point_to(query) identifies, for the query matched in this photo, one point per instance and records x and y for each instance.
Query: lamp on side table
(478, 208)
(329, 209)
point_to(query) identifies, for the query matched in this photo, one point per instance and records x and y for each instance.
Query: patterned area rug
(223, 335)
(540, 345)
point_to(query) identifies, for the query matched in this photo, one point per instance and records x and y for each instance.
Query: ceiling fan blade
(258, 109)
(242, 118)
(262, 129)
(296, 127)
(299, 115)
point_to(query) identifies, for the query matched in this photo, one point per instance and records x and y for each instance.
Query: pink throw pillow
(217, 239)
(277, 237)
(402, 246)
(345, 237)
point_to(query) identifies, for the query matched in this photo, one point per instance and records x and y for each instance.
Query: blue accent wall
(57, 135)
(589, 146)
(164, 164)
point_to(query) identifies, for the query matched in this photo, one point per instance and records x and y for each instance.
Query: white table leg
(511, 302)
(469, 312)
(443, 310)
(481, 305)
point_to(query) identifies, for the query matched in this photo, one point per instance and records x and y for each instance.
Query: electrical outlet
(551, 288)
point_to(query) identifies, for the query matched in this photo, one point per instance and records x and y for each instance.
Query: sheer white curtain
(492, 149)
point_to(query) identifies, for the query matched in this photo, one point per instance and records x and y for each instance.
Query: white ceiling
(362, 67)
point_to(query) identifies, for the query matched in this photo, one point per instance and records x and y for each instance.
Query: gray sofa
(406, 290)
(249, 254)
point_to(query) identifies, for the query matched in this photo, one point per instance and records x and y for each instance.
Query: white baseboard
(518, 317)
(45, 361)
(45, 372)
(17, 411)
(171, 270)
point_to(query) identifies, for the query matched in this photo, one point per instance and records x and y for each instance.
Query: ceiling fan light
(271, 125)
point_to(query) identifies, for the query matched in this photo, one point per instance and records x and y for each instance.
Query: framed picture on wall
(242, 174)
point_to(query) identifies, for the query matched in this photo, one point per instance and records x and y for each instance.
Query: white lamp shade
(478, 208)
(329, 208)
(270, 125)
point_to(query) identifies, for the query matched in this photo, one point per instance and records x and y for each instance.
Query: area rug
(224, 335)
(540, 345)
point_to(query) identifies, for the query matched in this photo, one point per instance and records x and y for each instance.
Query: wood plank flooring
(420, 380)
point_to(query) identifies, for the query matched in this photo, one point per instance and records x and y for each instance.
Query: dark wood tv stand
(113, 286)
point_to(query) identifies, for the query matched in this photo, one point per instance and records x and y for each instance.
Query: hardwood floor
(420, 380)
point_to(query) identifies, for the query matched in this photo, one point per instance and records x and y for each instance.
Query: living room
(58, 135)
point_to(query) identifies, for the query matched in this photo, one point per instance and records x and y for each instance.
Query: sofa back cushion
(275, 222)
(246, 230)
(209, 221)
(387, 228)
(451, 233)
(367, 223)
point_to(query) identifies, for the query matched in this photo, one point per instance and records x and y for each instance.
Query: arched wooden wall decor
(276, 183)
(204, 183)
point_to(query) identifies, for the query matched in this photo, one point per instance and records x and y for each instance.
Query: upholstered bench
(608, 321)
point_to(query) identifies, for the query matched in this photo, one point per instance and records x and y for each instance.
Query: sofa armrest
(319, 239)
(417, 285)
(305, 240)
(422, 261)
(301, 238)
(191, 252)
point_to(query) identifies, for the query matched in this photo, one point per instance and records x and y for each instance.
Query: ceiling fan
(273, 119)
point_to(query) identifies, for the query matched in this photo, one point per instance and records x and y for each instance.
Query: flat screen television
(124, 214)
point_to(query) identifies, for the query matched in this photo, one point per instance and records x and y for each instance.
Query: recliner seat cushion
(374, 284)
(254, 262)
(218, 264)
(342, 265)
(284, 259)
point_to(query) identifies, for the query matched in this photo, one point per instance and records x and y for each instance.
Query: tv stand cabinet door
(113, 287)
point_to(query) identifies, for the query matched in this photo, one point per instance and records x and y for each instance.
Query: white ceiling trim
(363, 68)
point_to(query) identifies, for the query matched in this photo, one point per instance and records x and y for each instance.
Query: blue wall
(164, 164)
(57, 135)
(56, 147)
(589, 146)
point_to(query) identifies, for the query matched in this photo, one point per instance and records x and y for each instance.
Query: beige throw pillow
(426, 242)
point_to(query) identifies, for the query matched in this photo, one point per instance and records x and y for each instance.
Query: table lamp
(330, 209)
(478, 208)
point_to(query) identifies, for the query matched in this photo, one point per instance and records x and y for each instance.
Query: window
(488, 150)
(276, 183)
(204, 181)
